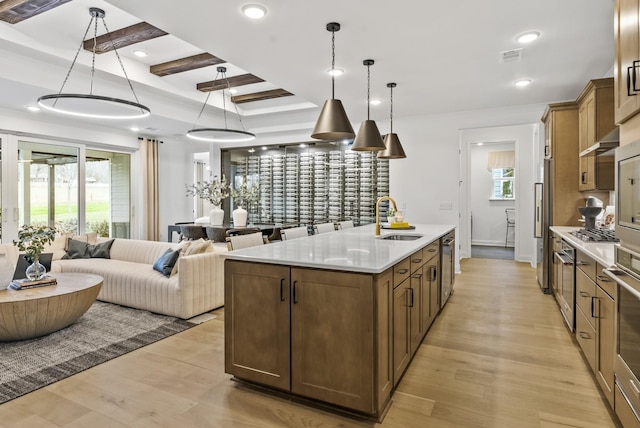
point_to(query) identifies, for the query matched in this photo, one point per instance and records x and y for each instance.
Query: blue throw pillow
(166, 262)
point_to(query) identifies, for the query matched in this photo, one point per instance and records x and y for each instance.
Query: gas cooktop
(595, 235)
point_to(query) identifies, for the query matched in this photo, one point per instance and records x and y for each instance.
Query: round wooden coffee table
(34, 312)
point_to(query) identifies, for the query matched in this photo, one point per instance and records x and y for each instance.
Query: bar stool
(511, 223)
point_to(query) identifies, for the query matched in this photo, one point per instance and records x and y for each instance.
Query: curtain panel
(151, 193)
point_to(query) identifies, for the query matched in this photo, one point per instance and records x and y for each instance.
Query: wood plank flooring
(497, 356)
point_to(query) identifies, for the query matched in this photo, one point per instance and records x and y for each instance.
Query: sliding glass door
(66, 186)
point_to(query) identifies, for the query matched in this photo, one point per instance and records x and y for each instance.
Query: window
(503, 183)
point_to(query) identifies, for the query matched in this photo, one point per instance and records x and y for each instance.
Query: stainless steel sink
(401, 237)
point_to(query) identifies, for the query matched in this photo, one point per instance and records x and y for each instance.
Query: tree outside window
(503, 183)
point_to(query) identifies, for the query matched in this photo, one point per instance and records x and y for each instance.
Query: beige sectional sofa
(130, 280)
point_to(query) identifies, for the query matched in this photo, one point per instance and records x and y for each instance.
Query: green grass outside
(96, 211)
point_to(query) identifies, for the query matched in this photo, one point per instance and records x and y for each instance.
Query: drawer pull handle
(295, 292)
(282, 289)
(602, 278)
(417, 276)
(584, 294)
(411, 304)
(416, 260)
(582, 264)
(432, 250)
(584, 335)
(402, 271)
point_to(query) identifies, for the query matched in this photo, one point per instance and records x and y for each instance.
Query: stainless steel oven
(627, 360)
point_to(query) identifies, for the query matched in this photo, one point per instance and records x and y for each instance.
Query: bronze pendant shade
(333, 123)
(393, 148)
(368, 138)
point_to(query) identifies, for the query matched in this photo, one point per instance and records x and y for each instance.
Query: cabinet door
(548, 153)
(583, 127)
(429, 304)
(401, 337)
(587, 173)
(586, 337)
(332, 337)
(606, 346)
(627, 44)
(257, 323)
(434, 289)
(417, 294)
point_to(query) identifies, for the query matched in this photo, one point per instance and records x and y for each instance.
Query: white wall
(431, 172)
(488, 216)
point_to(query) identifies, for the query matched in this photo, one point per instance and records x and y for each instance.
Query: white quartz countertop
(602, 252)
(355, 250)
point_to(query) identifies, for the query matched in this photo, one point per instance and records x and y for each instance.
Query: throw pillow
(82, 250)
(181, 248)
(197, 247)
(76, 250)
(165, 263)
(101, 250)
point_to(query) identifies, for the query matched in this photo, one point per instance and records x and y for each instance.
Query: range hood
(608, 142)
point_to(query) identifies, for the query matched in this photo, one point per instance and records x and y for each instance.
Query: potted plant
(213, 191)
(31, 240)
(391, 215)
(243, 196)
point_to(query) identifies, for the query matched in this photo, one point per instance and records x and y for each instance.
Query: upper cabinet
(627, 68)
(597, 133)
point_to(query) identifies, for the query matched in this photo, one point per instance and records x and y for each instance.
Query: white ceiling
(443, 55)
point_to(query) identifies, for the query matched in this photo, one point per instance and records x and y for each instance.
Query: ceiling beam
(14, 11)
(241, 80)
(260, 96)
(135, 33)
(185, 64)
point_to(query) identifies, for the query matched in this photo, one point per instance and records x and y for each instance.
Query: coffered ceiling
(444, 56)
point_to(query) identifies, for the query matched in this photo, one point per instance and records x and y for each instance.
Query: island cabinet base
(318, 334)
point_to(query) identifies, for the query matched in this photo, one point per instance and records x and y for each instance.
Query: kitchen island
(332, 319)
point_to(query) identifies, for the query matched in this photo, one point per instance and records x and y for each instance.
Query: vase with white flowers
(31, 240)
(243, 196)
(213, 191)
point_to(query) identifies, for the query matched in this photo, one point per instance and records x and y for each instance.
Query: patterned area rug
(104, 332)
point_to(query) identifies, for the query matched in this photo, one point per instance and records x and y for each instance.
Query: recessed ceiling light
(528, 37)
(233, 91)
(264, 147)
(335, 72)
(522, 82)
(251, 150)
(33, 108)
(254, 11)
(303, 145)
(139, 53)
(375, 102)
(134, 129)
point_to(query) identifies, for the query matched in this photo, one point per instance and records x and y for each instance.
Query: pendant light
(220, 135)
(333, 123)
(368, 138)
(393, 149)
(91, 105)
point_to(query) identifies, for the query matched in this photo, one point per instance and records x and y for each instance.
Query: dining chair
(193, 232)
(346, 224)
(324, 228)
(237, 242)
(294, 232)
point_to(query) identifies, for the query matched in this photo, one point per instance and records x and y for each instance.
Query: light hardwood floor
(497, 356)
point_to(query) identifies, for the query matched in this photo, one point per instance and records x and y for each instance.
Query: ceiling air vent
(511, 55)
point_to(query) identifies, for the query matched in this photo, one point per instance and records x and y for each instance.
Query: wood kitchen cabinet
(595, 321)
(323, 335)
(561, 144)
(627, 50)
(257, 336)
(595, 122)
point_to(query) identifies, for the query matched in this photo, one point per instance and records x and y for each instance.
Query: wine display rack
(325, 182)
